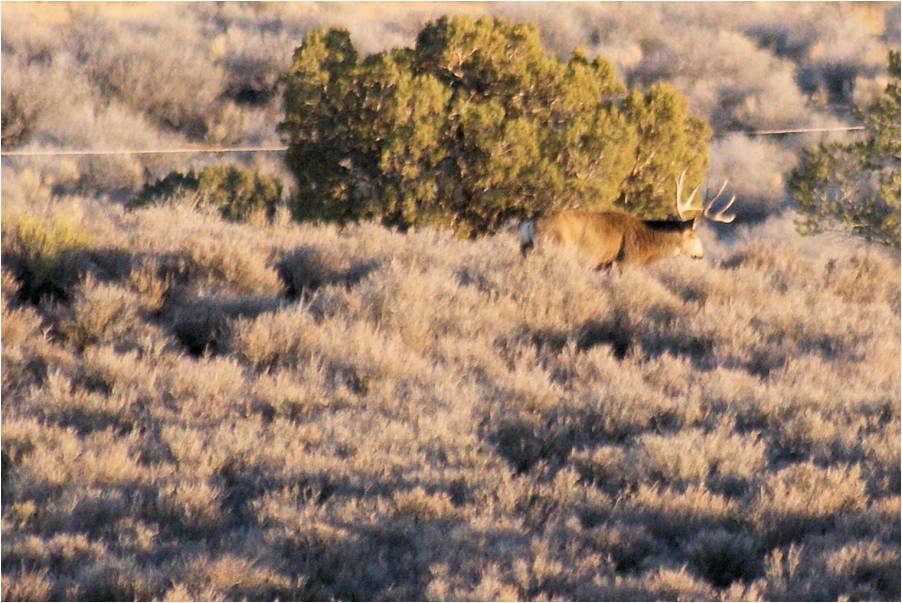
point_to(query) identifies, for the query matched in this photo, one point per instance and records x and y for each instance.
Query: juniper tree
(476, 124)
(855, 187)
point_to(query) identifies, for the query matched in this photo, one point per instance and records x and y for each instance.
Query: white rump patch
(527, 232)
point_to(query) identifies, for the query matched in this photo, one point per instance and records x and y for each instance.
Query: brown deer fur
(605, 238)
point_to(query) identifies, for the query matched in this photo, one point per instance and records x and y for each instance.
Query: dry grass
(318, 413)
(196, 409)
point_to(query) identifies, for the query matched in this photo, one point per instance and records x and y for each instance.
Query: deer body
(608, 237)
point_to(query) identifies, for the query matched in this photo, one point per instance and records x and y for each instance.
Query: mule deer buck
(609, 238)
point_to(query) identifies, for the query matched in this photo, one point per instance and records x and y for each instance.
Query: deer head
(688, 209)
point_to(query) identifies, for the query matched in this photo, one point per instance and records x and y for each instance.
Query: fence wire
(282, 149)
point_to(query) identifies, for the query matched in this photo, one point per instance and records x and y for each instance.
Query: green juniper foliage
(855, 187)
(474, 125)
(237, 192)
(42, 252)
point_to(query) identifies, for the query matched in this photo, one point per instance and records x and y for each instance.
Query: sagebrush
(221, 411)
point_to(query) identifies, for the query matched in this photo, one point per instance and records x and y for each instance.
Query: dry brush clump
(220, 411)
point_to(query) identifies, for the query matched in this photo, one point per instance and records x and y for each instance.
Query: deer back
(606, 237)
(599, 236)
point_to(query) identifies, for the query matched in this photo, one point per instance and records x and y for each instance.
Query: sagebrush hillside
(198, 409)
(222, 411)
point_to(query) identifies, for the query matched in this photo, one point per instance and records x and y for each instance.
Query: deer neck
(664, 239)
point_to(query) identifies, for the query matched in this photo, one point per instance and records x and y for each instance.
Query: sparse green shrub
(235, 191)
(856, 186)
(41, 251)
(474, 125)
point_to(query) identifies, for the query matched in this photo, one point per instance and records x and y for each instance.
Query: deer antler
(682, 206)
(702, 210)
(720, 216)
